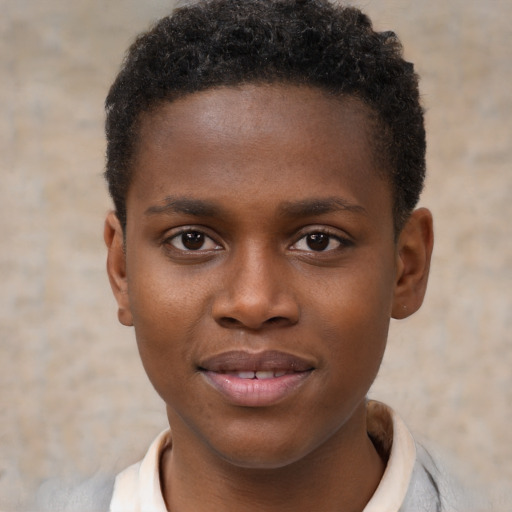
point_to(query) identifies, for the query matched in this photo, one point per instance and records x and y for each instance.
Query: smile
(255, 380)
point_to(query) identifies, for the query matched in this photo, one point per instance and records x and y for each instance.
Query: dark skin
(258, 223)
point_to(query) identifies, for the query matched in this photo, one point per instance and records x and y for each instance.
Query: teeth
(265, 375)
(246, 375)
(262, 374)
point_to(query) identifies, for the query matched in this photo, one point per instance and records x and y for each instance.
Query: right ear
(116, 267)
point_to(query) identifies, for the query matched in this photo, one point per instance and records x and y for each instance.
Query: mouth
(255, 380)
(258, 374)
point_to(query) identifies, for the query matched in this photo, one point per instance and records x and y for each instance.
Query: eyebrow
(187, 206)
(319, 206)
(304, 208)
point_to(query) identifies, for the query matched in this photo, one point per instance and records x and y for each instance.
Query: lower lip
(255, 392)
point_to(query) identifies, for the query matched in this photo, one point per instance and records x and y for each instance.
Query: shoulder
(434, 487)
(58, 495)
(424, 491)
(139, 483)
(416, 477)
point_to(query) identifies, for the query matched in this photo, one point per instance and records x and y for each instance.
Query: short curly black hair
(213, 43)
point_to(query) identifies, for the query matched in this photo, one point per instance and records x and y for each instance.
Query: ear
(414, 250)
(116, 267)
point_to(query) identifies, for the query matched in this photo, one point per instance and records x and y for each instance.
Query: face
(260, 270)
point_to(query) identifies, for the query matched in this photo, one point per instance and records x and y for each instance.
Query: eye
(192, 240)
(319, 241)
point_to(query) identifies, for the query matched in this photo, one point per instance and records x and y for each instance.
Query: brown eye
(192, 241)
(318, 241)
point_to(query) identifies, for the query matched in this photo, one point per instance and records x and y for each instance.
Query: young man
(265, 159)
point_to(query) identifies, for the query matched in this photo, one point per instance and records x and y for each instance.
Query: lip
(230, 374)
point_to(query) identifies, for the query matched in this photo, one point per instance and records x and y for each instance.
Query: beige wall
(73, 396)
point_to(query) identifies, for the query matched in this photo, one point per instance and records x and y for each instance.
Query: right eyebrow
(186, 205)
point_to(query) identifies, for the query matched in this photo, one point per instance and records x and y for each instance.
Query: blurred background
(74, 399)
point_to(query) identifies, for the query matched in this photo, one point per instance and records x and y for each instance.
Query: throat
(320, 481)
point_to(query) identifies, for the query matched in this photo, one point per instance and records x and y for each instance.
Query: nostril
(275, 320)
(227, 321)
(230, 322)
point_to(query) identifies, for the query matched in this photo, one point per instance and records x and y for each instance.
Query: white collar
(390, 494)
(137, 488)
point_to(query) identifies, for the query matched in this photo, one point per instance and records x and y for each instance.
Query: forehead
(257, 106)
(220, 138)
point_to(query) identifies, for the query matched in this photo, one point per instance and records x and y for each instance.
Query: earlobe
(116, 267)
(414, 252)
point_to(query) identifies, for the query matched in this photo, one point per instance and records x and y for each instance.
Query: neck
(341, 474)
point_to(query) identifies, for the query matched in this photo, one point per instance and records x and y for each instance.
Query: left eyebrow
(320, 206)
(187, 206)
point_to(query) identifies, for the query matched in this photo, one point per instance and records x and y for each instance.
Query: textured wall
(73, 396)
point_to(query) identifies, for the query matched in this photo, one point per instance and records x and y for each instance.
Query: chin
(263, 450)
(264, 461)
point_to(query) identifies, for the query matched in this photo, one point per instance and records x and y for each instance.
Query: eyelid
(342, 237)
(174, 233)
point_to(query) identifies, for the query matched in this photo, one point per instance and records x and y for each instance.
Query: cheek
(353, 317)
(167, 314)
(164, 298)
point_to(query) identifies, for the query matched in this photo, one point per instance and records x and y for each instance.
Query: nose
(256, 293)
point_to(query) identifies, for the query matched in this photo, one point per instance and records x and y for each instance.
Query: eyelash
(343, 242)
(191, 231)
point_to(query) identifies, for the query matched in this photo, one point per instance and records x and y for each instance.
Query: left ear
(414, 250)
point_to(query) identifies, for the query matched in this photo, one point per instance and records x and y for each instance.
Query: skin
(296, 252)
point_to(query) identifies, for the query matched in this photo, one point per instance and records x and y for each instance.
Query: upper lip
(239, 360)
